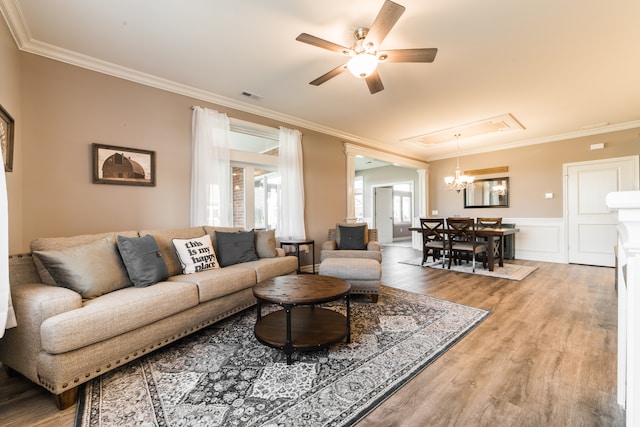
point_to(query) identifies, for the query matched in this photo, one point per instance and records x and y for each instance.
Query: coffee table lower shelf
(310, 328)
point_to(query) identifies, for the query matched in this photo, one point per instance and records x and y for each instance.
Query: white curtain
(210, 169)
(291, 215)
(7, 316)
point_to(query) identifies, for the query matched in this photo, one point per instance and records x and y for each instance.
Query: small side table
(296, 244)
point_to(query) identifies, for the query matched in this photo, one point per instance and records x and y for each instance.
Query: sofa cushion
(268, 268)
(341, 226)
(218, 282)
(143, 260)
(164, 239)
(196, 254)
(114, 314)
(234, 248)
(91, 270)
(59, 243)
(265, 241)
(372, 254)
(352, 238)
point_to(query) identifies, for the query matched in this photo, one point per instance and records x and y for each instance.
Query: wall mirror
(487, 193)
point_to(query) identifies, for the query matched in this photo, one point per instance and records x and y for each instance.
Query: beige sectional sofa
(63, 340)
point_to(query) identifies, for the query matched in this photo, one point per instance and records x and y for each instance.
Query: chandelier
(459, 181)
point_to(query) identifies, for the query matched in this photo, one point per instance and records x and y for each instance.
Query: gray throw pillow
(234, 248)
(352, 237)
(341, 226)
(143, 260)
(266, 243)
(91, 270)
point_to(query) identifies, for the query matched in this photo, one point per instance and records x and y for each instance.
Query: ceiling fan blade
(374, 82)
(386, 19)
(408, 55)
(322, 43)
(327, 76)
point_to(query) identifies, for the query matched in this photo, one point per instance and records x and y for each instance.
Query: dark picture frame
(123, 166)
(488, 193)
(6, 139)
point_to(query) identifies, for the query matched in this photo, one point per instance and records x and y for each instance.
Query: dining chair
(433, 239)
(462, 239)
(495, 222)
(489, 222)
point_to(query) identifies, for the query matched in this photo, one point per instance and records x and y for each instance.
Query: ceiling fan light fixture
(362, 65)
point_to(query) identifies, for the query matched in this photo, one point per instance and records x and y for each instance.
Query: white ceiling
(562, 68)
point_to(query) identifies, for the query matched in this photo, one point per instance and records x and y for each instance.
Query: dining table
(494, 251)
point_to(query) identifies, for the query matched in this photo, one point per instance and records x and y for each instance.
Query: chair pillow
(340, 226)
(196, 254)
(265, 241)
(352, 237)
(234, 248)
(143, 259)
(92, 269)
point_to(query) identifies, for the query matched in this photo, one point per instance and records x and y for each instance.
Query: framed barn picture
(123, 166)
(6, 139)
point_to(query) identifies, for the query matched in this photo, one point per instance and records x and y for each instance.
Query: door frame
(374, 206)
(414, 200)
(565, 189)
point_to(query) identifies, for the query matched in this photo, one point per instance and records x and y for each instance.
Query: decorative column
(422, 205)
(351, 177)
(627, 203)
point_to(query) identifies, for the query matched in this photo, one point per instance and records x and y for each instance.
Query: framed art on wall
(6, 139)
(123, 166)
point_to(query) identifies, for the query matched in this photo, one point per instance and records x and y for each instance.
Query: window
(256, 181)
(402, 196)
(267, 198)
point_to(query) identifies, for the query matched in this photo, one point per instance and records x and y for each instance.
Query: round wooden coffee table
(301, 326)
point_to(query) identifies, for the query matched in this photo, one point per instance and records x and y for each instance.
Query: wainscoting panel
(540, 239)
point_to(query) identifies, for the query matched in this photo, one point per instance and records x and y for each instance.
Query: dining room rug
(222, 376)
(507, 271)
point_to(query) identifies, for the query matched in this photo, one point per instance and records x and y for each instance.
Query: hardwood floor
(546, 356)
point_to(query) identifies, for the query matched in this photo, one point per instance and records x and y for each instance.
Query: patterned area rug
(222, 376)
(508, 271)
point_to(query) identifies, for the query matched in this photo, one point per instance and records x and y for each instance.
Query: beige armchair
(331, 248)
(340, 257)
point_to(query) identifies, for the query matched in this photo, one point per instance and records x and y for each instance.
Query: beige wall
(66, 108)
(61, 109)
(533, 171)
(10, 100)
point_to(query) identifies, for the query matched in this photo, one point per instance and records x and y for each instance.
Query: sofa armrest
(329, 245)
(33, 303)
(280, 252)
(36, 302)
(373, 246)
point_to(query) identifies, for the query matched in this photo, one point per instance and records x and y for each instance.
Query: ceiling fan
(364, 52)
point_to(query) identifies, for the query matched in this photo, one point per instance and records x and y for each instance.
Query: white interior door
(592, 228)
(384, 213)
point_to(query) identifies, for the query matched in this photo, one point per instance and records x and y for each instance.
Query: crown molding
(543, 140)
(19, 30)
(14, 17)
(355, 150)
